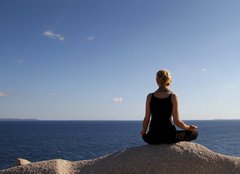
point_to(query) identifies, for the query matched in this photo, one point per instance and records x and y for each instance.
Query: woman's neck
(163, 89)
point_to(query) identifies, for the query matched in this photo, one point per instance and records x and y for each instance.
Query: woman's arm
(147, 115)
(176, 118)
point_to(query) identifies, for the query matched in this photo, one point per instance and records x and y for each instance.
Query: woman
(162, 109)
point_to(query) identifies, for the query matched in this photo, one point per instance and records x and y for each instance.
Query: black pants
(182, 135)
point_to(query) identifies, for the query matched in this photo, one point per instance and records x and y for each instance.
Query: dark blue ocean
(77, 140)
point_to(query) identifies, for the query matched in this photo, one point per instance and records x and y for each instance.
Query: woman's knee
(193, 135)
(146, 138)
(150, 139)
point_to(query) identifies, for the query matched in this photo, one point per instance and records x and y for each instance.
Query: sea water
(77, 140)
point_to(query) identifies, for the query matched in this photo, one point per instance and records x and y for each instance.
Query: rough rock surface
(21, 161)
(179, 158)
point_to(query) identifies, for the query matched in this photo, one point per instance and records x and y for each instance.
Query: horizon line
(36, 119)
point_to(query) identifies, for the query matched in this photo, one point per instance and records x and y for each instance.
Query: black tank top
(161, 117)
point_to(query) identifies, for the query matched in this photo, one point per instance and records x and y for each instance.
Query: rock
(179, 158)
(21, 161)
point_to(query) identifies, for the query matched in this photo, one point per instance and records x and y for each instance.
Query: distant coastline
(18, 119)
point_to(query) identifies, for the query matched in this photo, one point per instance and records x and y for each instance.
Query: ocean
(78, 140)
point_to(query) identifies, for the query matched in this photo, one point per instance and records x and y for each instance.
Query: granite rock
(179, 158)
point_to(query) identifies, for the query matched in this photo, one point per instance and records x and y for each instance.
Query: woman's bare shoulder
(174, 97)
(149, 96)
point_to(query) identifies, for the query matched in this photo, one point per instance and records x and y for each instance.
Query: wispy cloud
(3, 94)
(233, 35)
(20, 61)
(231, 86)
(204, 69)
(52, 35)
(117, 99)
(16, 61)
(53, 94)
(90, 38)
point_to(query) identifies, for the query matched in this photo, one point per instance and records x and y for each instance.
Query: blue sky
(96, 60)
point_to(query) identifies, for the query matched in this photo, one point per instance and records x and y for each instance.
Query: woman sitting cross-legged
(162, 115)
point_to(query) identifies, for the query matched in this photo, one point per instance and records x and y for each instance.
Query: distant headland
(19, 119)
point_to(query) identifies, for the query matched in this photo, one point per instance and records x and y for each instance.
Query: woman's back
(161, 115)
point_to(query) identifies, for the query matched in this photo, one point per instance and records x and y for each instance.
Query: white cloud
(53, 94)
(117, 100)
(231, 86)
(20, 61)
(90, 38)
(3, 94)
(203, 69)
(52, 35)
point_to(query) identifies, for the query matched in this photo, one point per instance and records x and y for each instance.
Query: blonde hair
(164, 78)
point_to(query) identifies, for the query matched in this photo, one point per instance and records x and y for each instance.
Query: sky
(97, 60)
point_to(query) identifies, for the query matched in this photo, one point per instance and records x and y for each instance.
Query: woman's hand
(192, 128)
